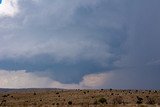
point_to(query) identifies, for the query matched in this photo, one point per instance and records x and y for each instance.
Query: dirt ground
(79, 98)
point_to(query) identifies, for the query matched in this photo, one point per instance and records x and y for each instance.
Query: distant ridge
(3, 90)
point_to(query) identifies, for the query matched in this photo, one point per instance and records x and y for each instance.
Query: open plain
(79, 98)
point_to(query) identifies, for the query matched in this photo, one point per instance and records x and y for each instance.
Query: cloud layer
(23, 79)
(54, 31)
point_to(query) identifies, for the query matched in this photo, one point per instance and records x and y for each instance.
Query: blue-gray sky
(80, 44)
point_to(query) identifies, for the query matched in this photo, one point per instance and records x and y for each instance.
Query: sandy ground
(79, 98)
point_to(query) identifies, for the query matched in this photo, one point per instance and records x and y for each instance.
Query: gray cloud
(140, 63)
(55, 30)
(84, 37)
(143, 33)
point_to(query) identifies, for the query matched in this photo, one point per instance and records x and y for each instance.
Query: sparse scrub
(118, 100)
(151, 101)
(3, 102)
(80, 98)
(139, 100)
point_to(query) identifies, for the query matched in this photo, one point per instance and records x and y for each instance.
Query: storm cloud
(69, 41)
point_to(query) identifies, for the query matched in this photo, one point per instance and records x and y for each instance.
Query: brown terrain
(79, 98)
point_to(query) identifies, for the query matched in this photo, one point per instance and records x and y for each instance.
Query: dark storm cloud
(77, 38)
(140, 66)
(69, 34)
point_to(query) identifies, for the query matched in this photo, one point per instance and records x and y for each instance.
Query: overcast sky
(80, 44)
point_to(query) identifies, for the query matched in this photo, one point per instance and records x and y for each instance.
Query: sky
(85, 44)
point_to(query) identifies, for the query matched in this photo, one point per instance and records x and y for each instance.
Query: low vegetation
(79, 98)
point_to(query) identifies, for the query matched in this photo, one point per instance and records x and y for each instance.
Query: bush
(4, 96)
(70, 102)
(139, 100)
(118, 100)
(155, 91)
(151, 100)
(95, 102)
(102, 100)
(34, 93)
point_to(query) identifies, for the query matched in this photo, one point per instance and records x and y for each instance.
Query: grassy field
(79, 98)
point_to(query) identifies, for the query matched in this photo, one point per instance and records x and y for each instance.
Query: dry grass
(80, 98)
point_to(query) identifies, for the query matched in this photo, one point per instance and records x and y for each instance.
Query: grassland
(79, 98)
